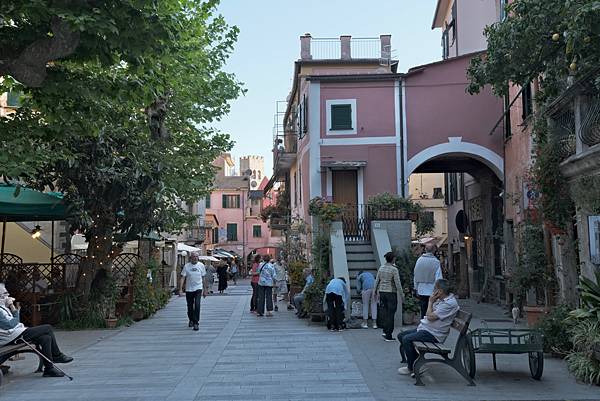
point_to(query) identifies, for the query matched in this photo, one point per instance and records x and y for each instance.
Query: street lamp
(246, 177)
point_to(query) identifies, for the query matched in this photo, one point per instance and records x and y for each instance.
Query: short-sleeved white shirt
(193, 274)
(445, 309)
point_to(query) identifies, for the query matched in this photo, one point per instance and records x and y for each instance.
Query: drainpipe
(401, 105)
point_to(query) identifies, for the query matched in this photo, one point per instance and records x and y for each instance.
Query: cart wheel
(467, 356)
(536, 364)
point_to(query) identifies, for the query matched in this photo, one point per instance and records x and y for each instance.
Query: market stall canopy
(208, 258)
(24, 204)
(183, 247)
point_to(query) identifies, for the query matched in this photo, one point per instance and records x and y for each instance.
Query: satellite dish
(461, 221)
(253, 184)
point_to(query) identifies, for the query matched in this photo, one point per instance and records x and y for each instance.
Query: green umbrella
(24, 204)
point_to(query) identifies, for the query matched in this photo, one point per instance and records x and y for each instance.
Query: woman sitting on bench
(12, 330)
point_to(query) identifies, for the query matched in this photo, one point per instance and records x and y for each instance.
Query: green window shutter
(232, 232)
(341, 117)
(224, 205)
(256, 231)
(207, 201)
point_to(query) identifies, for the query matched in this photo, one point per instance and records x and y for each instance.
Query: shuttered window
(231, 232)
(207, 201)
(231, 201)
(256, 231)
(341, 117)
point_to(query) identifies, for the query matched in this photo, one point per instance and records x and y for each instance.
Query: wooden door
(344, 187)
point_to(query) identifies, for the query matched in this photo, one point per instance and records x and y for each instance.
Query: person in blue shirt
(299, 298)
(266, 278)
(365, 282)
(336, 297)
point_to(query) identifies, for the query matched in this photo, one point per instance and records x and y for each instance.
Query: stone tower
(257, 165)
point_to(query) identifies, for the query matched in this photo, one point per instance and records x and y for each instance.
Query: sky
(269, 43)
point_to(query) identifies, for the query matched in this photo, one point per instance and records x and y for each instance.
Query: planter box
(408, 318)
(535, 313)
(390, 215)
(111, 323)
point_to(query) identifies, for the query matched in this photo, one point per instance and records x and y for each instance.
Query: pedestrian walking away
(434, 327)
(254, 283)
(192, 276)
(12, 331)
(266, 279)
(280, 287)
(365, 282)
(427, 271)
(222, 274)
(388, 289)
(336, 299)
(233, 271)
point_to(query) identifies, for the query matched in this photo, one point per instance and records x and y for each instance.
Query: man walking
(427, 272)
(192, 275)
(389, 291)
(364, 285)
(336, 297)
(266, 279)
(434, 327)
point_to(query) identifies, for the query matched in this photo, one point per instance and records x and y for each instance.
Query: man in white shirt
(192, 275)
(427, 272)
(434, 327)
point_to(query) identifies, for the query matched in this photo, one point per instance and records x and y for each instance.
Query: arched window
(254, 174)
(259, 174)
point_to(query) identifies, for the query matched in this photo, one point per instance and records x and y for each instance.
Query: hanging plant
(326, 210)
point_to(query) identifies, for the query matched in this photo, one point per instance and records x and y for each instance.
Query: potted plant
(295, 272)
(326, 210)
(410, 309)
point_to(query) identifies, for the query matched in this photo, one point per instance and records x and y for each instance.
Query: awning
(26, 204)
(341, 164)
(423, 241)
(183, 247)
(208, 258)
(223, 254)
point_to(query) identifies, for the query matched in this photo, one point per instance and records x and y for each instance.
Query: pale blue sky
(269, 44)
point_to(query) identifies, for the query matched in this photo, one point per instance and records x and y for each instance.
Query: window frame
(329, 116)
(526, 101)
(207, 202)
(254, 231)
(234, 236)
(226, 204)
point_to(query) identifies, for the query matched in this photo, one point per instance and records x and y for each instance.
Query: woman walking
(389, 290)
(254, 283)
(222, 274)
(266, 279)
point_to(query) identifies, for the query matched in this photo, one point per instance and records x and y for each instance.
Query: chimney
(305, 47)
(345, 47)
(386, 46)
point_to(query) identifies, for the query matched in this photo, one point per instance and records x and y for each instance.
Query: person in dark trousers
(336, 297)
(427, 271)
(389, 291)
(12, 330)
(192, 275)
(266, 279)
(254, 283)
(434, 327)
(222, 274)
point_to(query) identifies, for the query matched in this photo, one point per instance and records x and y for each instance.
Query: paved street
(237, 356)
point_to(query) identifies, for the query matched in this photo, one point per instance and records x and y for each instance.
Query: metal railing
(589, 132)
(356, 223)
(562, 128)
(330, 48)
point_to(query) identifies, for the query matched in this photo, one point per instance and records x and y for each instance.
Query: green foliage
(411, 304)
(326, 210)
(555, 329)
(531, 270)
(295, 269)
(540, 38)
(148, 298)
(67, 306)
(279, 209)
(321, 246)
(585, 192)
(313, 296)
(582, 362)
(405, 262)
(589, 293)
(391, 202)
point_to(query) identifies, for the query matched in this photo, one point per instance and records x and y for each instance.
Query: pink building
(236, 207)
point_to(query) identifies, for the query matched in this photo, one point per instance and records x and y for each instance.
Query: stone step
(360, 256)
(358, 248)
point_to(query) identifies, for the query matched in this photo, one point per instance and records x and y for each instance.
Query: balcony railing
(563, 132)
(590, 124)
(331, 48)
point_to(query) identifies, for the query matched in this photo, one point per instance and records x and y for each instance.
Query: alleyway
(236, 356)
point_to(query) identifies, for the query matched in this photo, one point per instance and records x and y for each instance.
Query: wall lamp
(36, 232)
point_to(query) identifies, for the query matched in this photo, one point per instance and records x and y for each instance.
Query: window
(215, 235)
(437, 193)
(341, 117)
(231, 201)
(503, 13)
(527, 101)
(231, 232)
(507, 128)
(445, 45)
(295, 189)
(303, 117)
(256, 231)
(13, 99)
(207, 201)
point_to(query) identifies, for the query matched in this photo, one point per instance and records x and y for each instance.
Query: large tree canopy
(122, 128)
(546, 39)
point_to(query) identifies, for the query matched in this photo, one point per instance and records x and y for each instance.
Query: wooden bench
(9, 351)
(463, 355)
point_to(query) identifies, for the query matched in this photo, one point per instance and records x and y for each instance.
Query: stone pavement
(237, 356)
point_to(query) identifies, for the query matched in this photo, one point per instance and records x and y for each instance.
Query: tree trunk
(98, 255)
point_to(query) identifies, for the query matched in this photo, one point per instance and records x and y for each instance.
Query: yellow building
(428, 190)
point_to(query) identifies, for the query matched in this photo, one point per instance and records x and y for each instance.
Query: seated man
(299, 298)
(11, 330)
(434, 327)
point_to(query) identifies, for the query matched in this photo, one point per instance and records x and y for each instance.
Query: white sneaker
(375, 326)
(364, 325)
(404, 371)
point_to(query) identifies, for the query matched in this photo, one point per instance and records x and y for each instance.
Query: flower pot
(408, 318)
(535, 313)
(413, 216)
(137, 315)
(111, 323)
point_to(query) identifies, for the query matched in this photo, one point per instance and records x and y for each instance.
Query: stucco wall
(19, 242)
(473, 17)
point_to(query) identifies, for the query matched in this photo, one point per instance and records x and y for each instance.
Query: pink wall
(437, 107)
(374, 107)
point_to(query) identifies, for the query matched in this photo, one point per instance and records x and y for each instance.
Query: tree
(126, 141)
(546, 39)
